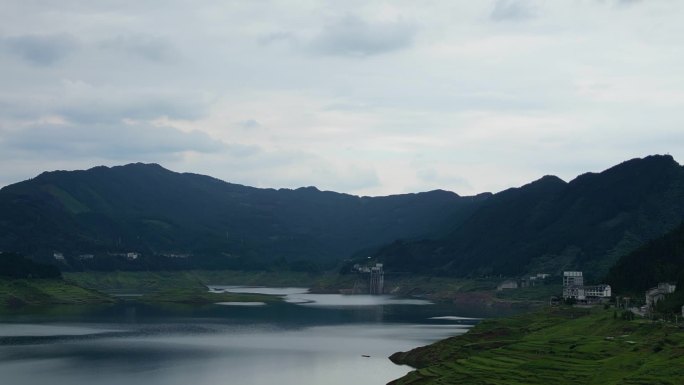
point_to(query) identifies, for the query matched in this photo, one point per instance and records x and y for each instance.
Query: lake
(309, 339)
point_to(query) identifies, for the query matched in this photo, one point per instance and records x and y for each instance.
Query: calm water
(309, 339)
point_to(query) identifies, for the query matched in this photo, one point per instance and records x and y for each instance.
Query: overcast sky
(365, 97)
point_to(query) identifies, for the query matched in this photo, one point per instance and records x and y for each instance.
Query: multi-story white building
(573, 288)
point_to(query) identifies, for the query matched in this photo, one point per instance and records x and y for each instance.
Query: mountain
(550, 225)
(144, 208)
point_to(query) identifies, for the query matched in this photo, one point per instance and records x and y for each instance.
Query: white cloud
(352, 36)
(368, 97)
(125, 141)
(513, 10)
(152, 48)
(41, 50)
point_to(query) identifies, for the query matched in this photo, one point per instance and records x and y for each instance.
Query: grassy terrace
(24, 292)
(554, 346)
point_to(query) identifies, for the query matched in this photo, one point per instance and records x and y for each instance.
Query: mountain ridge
(147, 208)
(550, 225)
(545, 225)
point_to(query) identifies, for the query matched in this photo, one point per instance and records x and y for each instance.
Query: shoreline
(191, 287)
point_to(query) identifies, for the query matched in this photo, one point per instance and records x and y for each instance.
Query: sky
(364, 97)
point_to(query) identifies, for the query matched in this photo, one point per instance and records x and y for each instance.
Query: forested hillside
(549, 225)
(660, 260)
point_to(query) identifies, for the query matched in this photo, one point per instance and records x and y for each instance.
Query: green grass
(554, 346)
(135, 282)
(194, 296)
(25, 292)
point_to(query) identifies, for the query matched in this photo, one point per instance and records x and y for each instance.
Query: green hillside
(554, 346)
(660, 260)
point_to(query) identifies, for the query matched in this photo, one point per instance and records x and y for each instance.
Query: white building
(573, 288)
(597, 291)
(587, 293)
(655, 294)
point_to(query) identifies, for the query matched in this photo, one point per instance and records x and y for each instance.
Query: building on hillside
(656, 294)
(507, 285)
(132, 255)
(574, 288)
(377, 279)
(58, 256)
(573, 278)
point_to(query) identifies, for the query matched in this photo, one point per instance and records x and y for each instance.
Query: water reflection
(259, 355)
(328, 340)
(302, 296)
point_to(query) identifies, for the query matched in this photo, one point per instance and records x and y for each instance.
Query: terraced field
(554, 346)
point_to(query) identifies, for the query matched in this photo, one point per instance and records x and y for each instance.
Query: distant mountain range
(550, 225)
(144, 208)
(545, 226)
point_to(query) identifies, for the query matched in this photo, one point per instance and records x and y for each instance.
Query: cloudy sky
(366, 97)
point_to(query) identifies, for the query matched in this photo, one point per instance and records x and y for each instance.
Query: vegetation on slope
(661, 260)
(25, 282)
(13, 265)
(179, 287)
(16, 293)
(156, 281)
(555, 346)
